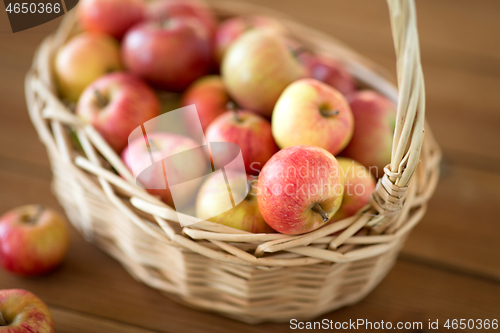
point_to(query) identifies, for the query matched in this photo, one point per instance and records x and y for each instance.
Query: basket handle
(391, 189)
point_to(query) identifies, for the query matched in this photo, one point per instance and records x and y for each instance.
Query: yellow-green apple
(300, 189)
(138, 157)
(210, 97)
(33, 240)
(195, 9)
(21, 312)
(213, 198)
(112, 17)
(375, 118)
(310, 112)
(329, 71)
(256, 69)
(116, 104)
(233, 28)
(170, 53)
(84, 59)
(359, 184)
(251, 132)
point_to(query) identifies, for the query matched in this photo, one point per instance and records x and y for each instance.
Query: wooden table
(450, 266)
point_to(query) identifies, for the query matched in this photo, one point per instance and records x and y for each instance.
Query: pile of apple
(312, 143)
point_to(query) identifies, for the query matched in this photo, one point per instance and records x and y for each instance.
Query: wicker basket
(251, 277)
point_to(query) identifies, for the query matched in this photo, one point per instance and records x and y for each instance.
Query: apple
(310, 112)
(170, 53)
(162, 145)
(82, 60)
(232, 28)
(359, 184)
(251, 132)
(213, 196)
(22, 311)
(329, 71)
(112, 17)
(371, 143)
(210, 97)
(116, 104)
(256, 69)
(300, 189)
(33, 240)
(195, 9)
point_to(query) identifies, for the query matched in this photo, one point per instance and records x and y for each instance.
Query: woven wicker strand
(250, 277)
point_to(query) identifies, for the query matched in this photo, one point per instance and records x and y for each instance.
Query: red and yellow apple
(84, 59)
(310, 112)
(213, 198)
(210, 97)
(112, 17)
(251, 132)
(256, 69)
(116, 104)
(170, 53)
(300, 189)
(22, 312)
(233, 28)
(358, 186)
(33, 240)
(371, 143)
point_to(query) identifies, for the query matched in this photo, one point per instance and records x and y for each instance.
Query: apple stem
(2, 320)
(101, 100)
(318, 209)
(298, 51)
(232, 107)
(330, 113)
(33, 218)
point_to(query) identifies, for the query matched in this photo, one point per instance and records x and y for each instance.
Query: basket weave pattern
(251, 277)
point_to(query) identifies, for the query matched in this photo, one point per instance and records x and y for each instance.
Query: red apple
(116, 104)
(169, 53)
(358, 186)
(213, 198)
(300, 189)
(112, 17)
(153, 177)
(375, 118)
(250, 132)
(233, 28)
(84, 59)
(33, 240)
(329, 71)
(210, 97)
(22, 312)
(195, 9)
(256, 69)
(310, 112)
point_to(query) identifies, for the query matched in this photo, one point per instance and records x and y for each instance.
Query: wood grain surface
(450, 265)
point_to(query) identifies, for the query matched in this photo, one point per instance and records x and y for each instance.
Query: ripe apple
(233, 28)
(162, 145)
(21, 312)
(329, 71)
(358, 186)
(84, 59)
(251, 132)
(300, 189)
(310, 112)
(33, 240)
(256, 69)
(170, 53)
(116, 104)
(375, 118)
(195, 9)
(210, 97)
(112, 17)
(213, 198)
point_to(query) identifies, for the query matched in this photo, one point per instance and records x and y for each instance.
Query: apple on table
(21, 312)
